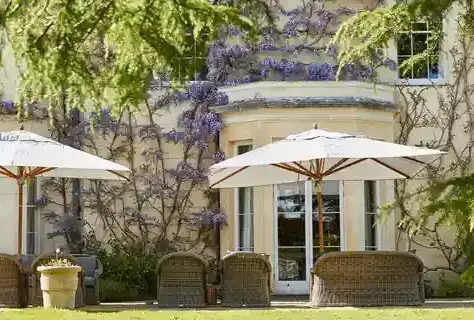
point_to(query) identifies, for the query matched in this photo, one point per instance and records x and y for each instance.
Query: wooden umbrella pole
(20, 216)
(319, 197)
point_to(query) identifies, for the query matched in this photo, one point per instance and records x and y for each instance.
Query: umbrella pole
(20, 217)
(319, 197)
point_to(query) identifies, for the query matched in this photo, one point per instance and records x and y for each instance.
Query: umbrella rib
(118, 174)
(416, 160)
(335, 166)
(40, 170)
(34, 172)
(228, 176)
(302, 168)
(391, 168)
(287, 167)
(4, 171)
(345, 166)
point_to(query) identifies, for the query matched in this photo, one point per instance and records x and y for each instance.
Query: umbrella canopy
(30, 150)
(321, 155)
(25, 155)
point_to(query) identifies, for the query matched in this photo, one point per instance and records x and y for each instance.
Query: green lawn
(366, 314)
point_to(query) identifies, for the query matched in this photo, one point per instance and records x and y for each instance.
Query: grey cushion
(89, 282)
(88, 264)
(26, 260)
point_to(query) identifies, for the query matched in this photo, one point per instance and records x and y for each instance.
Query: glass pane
(404, 70)
(420, 26)
(420, 43)
(331, 218)
(244, 148)
(31, 192)
(330, 190)
(370, 234)
(246, 232)
(291, 264)
(404, 44)
(30, 219)
(317, 253)
(30, 243)
(370, 198)
(291, 214)
(433, 69)
(331, 230)
(420, 69)
(245, 200)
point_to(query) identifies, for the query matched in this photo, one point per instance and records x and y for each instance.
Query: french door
(296, 235)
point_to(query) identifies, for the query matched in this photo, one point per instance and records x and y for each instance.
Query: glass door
(291, 263)
(296, 235)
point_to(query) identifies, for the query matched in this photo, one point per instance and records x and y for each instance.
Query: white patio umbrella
(321, 155)
(25, 155)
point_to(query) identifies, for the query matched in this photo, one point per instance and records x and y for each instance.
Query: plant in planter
(59, 279)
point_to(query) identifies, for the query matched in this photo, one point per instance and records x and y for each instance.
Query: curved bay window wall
(297, 236)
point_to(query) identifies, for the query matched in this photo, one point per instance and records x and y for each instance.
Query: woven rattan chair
(372, 278)
(36, 295)
(13, 283)
(245, 280)
(181, 280)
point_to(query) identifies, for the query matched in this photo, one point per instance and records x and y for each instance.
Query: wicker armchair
(36, 295)
(372, 278)
(13, 283)
(181, 280)
(245, 280)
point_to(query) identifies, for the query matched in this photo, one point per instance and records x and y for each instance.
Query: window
(411, 43)
(370, 216)
(32, 218)
(196, 63)
(245, 212)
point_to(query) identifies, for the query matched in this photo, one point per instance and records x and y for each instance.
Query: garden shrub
(130, 269)
(114, 291)
(453, 288)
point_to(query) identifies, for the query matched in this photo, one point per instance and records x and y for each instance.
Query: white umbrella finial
(315, 125)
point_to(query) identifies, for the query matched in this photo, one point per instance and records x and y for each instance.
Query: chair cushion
(88, 264)
(89, 282)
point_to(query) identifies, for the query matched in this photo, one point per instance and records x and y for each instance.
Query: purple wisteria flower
(321, 72)
(208, 219)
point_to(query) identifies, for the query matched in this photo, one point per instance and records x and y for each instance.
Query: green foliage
(369, 32)
(451, 203)
(129, 267)
(80, 53)
(114, 291)
(453, 288)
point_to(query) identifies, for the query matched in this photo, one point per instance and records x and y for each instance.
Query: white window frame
(237, 230)
(442, 68)
(36, 212)
(377, 227)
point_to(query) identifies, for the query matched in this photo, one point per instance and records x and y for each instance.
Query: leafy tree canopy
(103, 52)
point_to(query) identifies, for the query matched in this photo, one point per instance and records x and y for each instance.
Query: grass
(283, 314)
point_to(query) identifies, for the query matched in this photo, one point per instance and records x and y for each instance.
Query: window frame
(237, 229)
(442, 67)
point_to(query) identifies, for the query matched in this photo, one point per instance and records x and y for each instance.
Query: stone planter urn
(59, 285)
